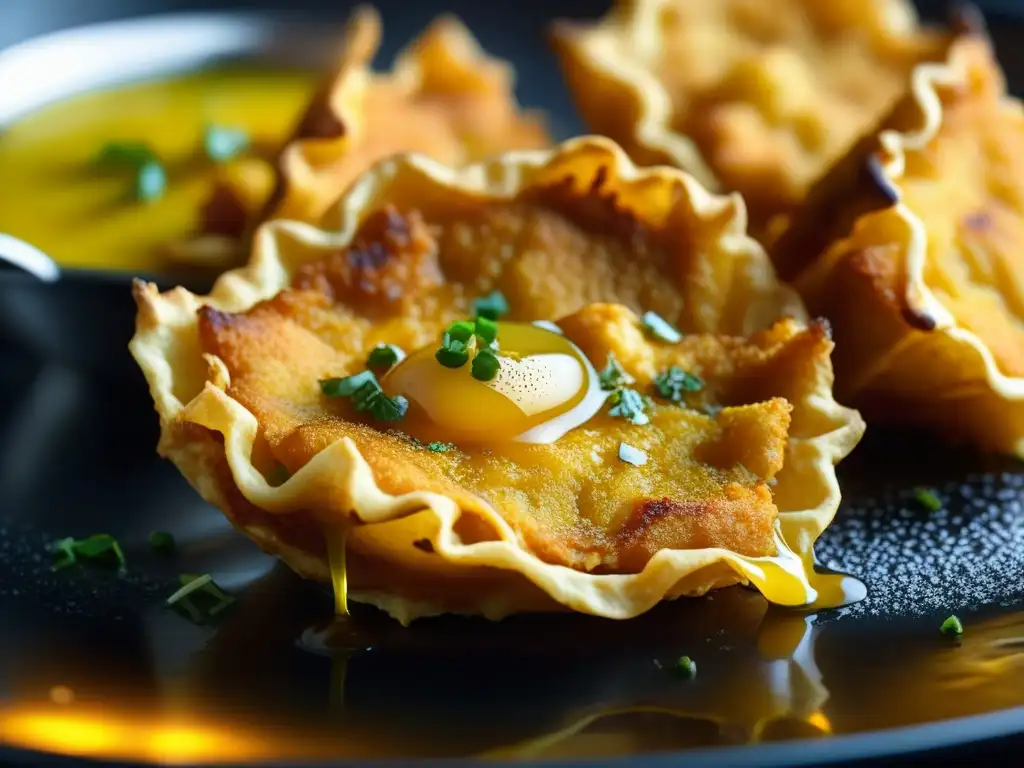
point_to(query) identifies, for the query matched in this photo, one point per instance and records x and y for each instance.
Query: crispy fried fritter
(704, 484)
(739, 478)
(750, 95)
(924, 289)
(445, 97)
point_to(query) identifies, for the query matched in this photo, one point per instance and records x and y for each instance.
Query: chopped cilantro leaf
(631, 455)
(125, 154)
(927, 499)
(347, 386)
(223, 143)
(491, 306)
(439, 447)
(673, 383)
(486, 330)
(686, 667)
(952, 626)
(452, 354)
(454, 351)
(200, 597)
(99, 547)
(161, 541)
(384, 356)
(367, 396)
(150, 181)
(614, 375)
(630, 405)
(485, 365)
(461, 330)
(660, 329)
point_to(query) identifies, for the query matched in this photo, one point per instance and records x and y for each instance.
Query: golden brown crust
(206, 378)
(746, 95)
(444, 97)
(924, 294)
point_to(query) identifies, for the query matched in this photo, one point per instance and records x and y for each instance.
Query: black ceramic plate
(92, 664)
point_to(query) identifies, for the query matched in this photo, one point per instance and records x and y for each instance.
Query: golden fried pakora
(759, 97)
(634, 410)
(444, 97)
(926, 292)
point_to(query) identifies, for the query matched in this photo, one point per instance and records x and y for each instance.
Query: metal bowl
(85, 319)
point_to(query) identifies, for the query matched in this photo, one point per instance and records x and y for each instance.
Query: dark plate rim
(980, 730)
(871, 745)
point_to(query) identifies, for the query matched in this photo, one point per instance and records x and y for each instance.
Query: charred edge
(647, 512)
(918, 320)
(967, 19)
(424, 545)
(214, 319)
(600, 179)
(224, 214)
(874, 175)
(320, 122)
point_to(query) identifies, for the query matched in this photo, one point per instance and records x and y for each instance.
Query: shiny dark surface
(76, 458)
(77, 433)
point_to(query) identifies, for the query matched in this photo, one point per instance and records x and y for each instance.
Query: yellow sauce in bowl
(55, 196)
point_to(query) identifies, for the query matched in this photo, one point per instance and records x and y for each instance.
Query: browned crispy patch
(392, 260)
(598, 209)
(740, 521)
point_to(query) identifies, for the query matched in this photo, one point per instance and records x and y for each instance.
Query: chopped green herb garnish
(486, 330)
(125, 154)
(100, 547)
(150, 181)
(630, 405)
(660, 329)
(631, 455)
(491, 306)
(458, 340)
(485, 365)
(927, 499)
(200, 597)
(952, 626)
(461, 330)
(673, 383)
(161, 541)
(438, 447)
(347, 386)
(367, 396)
(222, 143)
(686, 667)
(384, 356)
(454, 351)
(614, 375)
(453, 354)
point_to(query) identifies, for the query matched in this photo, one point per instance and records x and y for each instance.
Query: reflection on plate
(264, 682)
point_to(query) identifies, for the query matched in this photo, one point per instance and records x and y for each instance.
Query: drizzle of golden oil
(336, 537)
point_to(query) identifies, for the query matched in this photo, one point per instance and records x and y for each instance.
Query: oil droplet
(336, 538)
(61, 694)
